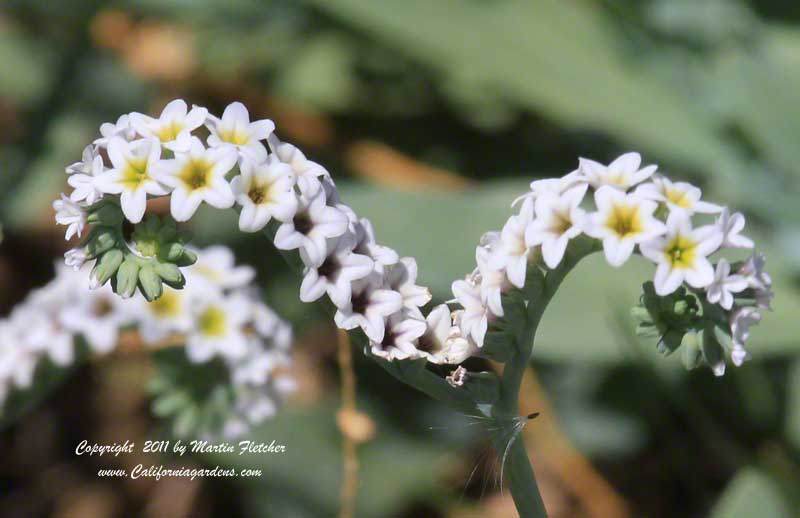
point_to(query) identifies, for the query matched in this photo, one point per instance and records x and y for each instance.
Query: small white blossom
(366, 244)
(368, 307)
(554, 186)
(168, 314)
(307, 171)
(492, 281)
(132, 175)
(173, 128)
(402, 278)
(741, 321)
(681, 255)
(678, 196)
(622, 221)
(313, 223)
(75, 258)
(336, 273)
(473, 320)
(83, 177)
(731, 225)
(121, 129)
(216, 269)
(623, 173)
(197, 176)
(721, 290)
(71, 214)
(264, 191)
(235, 129)
(401, 332)
(218, 328)
(758, 279)
(510, 251)
(442, 342)
(559, 218)
(98, 316)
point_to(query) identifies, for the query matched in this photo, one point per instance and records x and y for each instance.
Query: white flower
(170, 313)
(264, 191)
(402, 278)
(623, 173)
(197, 176)
(399, 337)
(255, 367)
(492, 281)
(366, 244)
(680, 196)
(758, 279)
(622, 221)
(681, 255)
(313, 223)
(71, 214)
(17, 363)
(98, 316)
(336, 273)
(174, 126)
(509, 251)
(442, 341)
(721, 290)
(235, 129)
(218, 328)
(122, 129)
(473, 320)
(559, 218)
(132, 175)
(307, 171)
(83, 175)
(75, 257)
(40, 332)
(368, 307)
(741, 321)
(731, 225)
(216, 269)
(555, 186)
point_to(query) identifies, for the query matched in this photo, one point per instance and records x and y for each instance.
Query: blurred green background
(433, 116)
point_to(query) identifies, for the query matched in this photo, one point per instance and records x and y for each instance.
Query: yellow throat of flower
(196, 174)
(681, 252)
(678, 197)
(169, 131)
(135, 173)
(625, 220)
(212, 321)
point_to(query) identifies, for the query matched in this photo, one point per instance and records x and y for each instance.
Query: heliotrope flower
(132, 175)
(307, 171)
(235, 129)
(312, 225)
(622, 221)
(218, 328)
(71, 214)
(83, 177)
(681, 196)
(473, 320)
(442, 341)
(741, 321)
(491, 281)
(121, 129)
(724, 285)
(731, 226)
(401, 332)
(168, 314)
(681, 255)
(265, 191)
(216, 269)
(758, 279)
(369, 306)
(98, 316)
(510, 251)
(402, 278)
(559, 218)
(173, 128)
(336, 273)
(623, 173)
(197, 176)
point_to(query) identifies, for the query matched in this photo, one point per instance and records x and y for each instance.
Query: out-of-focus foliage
(469, 101)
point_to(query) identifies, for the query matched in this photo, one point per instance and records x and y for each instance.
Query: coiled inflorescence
(294, 200)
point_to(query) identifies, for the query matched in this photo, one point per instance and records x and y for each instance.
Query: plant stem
(521, 478)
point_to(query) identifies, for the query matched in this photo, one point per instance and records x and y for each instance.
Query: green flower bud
(187, 258)
(670, 341)
(109, 215)
(100, 241)
(127, 278)
(170, 274)
(106, 267)
(171, 251)
(691, 355)
(150, 283)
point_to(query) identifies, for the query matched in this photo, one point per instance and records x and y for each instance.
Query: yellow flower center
(169, 131)
(212, 321)
(135, 173)
(561, 222)
(196, 174)
(681, 252)
(678, 197)
(259, 193)
(235, 136)
(625, 220)
(168, 305)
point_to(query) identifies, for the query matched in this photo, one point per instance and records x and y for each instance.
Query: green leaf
(752, 492)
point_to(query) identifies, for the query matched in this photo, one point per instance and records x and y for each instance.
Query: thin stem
(521, 480)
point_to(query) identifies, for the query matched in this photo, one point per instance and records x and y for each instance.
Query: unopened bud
(127, 278)
(101, 241)
(150, 283)
(108, 215)
(187, 258)
(170, 274)
(106, 266)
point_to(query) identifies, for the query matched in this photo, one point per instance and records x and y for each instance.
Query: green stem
(521, 478)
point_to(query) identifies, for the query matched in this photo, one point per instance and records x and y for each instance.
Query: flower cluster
(217, 318)
(627, 208)
(623, 207)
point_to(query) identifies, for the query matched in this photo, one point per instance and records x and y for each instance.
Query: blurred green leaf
(752, 493)
(793, 405)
